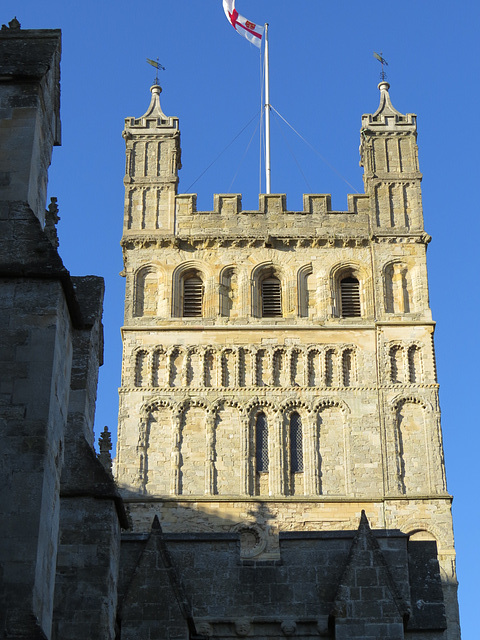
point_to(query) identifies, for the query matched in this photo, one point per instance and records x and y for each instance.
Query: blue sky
(323, 77)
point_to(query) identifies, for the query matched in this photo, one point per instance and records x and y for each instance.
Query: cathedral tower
(278, 366)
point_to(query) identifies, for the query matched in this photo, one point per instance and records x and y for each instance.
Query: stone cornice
(314, 500)
(136, 241)
(181, 325)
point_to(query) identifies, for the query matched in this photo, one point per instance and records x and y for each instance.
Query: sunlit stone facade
(278, 366)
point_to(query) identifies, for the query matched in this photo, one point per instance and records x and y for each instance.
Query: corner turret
(389, 155)
(151, 172)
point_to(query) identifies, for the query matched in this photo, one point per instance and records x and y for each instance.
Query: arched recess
(415, 364)
(396, 363)
(304, 292)
(229, 292)
(146, 291)
(398, 288)
(160, 367)
(333, 447)
(229, 367)
(191, 290)
(210, 367)
(230, 448)
(158, 447)
(280, 368)
(351, 295)
(315, 367)
(297, 360)
(267, 290)
(349, 368)
(411, 418)
(193, 436)
(142, 368)
(177, 367)
(194, 367)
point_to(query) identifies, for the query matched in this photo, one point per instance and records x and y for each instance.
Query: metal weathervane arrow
(158, 67)
(383, 62)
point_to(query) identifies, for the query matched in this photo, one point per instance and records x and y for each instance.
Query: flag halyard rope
(315, 150)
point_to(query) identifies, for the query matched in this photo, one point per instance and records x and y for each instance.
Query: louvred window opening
(350, 298)
(271, 298)
(192, 297)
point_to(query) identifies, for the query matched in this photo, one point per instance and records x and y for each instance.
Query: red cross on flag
(249, 30)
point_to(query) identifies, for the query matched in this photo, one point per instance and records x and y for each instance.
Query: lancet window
(296, 444)
(261, 443)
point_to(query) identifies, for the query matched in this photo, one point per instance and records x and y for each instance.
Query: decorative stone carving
(242, 628)
(289, 628)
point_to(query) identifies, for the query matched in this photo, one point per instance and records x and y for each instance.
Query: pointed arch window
(261, 443)
(350, 297)
(192, 296)
(296, 443)
(271, 298)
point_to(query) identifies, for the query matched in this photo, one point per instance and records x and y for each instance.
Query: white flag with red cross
(249, 30)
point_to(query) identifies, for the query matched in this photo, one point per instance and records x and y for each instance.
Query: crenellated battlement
(228, 204)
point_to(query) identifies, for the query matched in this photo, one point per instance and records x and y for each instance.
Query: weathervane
(158, 67)
(380, 58)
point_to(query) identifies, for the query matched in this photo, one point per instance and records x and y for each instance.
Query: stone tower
(279, 379)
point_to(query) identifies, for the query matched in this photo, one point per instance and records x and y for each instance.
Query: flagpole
(267, 117)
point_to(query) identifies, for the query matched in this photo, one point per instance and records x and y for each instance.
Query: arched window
(261, 443)
(192, 296)
(350, 297)
(271, 298)
(296, 444)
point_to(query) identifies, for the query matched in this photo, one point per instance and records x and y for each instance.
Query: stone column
(310, 453)
(210, 454)
(246, 471)
(142, 453)
(175, 456)
(276, 469)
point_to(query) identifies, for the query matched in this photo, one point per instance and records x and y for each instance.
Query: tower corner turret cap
(154, 109)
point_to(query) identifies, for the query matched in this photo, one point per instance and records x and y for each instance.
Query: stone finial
(155, 110)
(385, 108)
(13, 25)
(105, 445)
(51, 220)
